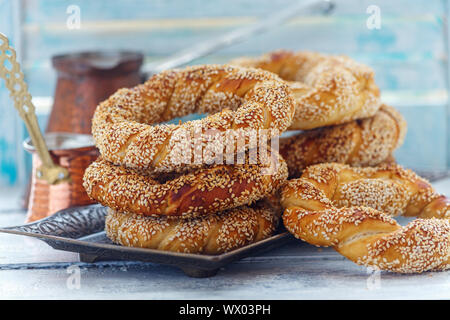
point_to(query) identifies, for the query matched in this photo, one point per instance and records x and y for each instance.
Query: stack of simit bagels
(166, 188)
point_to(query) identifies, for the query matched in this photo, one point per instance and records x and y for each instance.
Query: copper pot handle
(10, 71)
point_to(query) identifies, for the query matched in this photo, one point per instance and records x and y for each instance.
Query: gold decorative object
(10, 71)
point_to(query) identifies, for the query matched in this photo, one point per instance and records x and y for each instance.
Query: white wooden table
(30, 269)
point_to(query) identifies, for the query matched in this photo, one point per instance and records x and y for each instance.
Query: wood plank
(55, 10)
(408, 52)
(296, 271)
(343, 36)
(293, 279)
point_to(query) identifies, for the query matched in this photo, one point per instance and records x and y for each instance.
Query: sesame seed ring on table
(328, 90)
(125, 130)
(200, 192)
(366, 142)
(212, 234)
(350, 209)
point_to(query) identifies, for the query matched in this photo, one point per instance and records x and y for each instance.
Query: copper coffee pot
(14, 79)
(60, 158)
(74, 152)
(84, 80)
(10, 71)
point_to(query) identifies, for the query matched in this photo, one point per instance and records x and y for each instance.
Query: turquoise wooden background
(408, 53)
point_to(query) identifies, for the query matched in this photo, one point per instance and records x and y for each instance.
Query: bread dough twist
(197, 193)
(351, 208)
(366, 142)
(328, 90)
(211, 234)
(244, 99)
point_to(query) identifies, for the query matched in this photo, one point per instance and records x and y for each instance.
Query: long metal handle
(203, 49)
(10, 71)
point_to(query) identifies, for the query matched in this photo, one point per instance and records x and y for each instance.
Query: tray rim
(116, 247)
(223, 257)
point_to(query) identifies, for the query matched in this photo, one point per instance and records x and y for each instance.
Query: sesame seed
(351, 209)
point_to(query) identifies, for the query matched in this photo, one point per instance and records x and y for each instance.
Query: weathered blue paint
(408, 53)
(9, 158)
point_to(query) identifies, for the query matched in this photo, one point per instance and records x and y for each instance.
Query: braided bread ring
(328, 90)
(349, 209)
(212, 234)
(248, 99)
(366, 142)
(201, 192)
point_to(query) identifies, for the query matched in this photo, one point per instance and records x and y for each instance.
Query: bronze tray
(80, 229)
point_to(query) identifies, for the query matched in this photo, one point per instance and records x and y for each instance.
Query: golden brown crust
(350, 209)
(244, 99)
(328, 90)
(366, 142)
(200, 192)
(211, 234)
